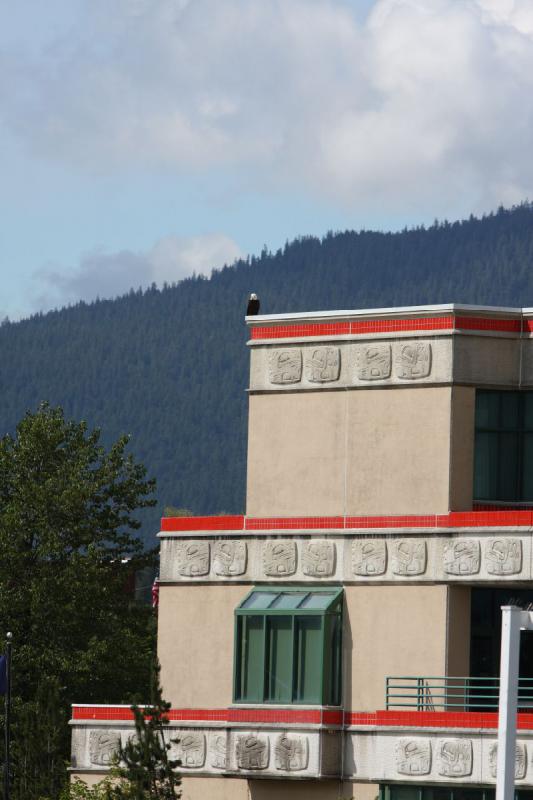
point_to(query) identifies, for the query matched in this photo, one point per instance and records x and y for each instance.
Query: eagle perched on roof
(253, 305)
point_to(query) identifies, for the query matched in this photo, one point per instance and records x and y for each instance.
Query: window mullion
(294, 660)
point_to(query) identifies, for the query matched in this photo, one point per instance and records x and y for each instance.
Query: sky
(147, 140)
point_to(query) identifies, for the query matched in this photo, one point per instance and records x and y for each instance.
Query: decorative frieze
(215, 748)
(373, 362)
(104, 745)
(412, 360)
(219, 751)
(252, 752)
(374, 753)
(454, 758)
(520, 762)
(349, 557)
(409, 557)
(462, 557)
(193, 558)
(468, 759)
(279, 558)
(229, 557)
(322, 364)
(285, 366)
(503, 556)
(413, 756)
(291, 753)
(369, 557)
(192, 750)
(318, 558)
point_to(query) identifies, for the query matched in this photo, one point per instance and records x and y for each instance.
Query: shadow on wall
(301, 790)
(347, 650)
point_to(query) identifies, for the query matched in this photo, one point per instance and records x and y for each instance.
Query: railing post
(510, 653)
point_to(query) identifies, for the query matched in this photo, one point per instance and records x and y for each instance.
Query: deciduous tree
(67, 552)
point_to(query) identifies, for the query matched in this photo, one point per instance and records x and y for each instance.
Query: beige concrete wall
(195, 643)
(360, 452)
(241, 789)
(398, 451)
(310, 790)
(391, 630)
(214, 789)
(91, 779)
(296, 454)
(462, 448)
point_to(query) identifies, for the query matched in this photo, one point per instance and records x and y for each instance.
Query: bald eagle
(253, 306)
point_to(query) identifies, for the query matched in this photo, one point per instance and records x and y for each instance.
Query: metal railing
(425, 693)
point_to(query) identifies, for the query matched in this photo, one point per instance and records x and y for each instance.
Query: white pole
(512, 621)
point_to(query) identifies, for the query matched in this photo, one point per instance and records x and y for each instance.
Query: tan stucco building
(341, 638)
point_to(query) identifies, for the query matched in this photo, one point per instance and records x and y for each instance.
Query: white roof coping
(392, 310)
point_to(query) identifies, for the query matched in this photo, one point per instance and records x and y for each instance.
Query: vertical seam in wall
(450, 452)
(345, 500)
(446, 638)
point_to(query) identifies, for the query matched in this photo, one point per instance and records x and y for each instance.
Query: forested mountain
(169, 365)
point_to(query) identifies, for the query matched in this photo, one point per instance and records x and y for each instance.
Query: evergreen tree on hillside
(170, 366)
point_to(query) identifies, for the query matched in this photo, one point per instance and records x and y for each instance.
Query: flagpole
(7, 758)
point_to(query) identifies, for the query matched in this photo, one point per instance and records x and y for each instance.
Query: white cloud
(423, 104)
(103, 274)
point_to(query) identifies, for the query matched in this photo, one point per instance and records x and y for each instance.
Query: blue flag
(3, 675)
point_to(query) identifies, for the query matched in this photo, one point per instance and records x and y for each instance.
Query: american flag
(155, 593)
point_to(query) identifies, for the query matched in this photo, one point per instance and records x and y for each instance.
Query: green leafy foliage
(67, 509)
(79, 790)
(170, 365)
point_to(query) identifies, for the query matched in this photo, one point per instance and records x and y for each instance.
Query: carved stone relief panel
(192, 750)
(322, 364)
(229, 557)
(219, 751)
(279, 558)
(103, 746)
(413, 756)
(462, 557)
(291, 753)
(369, 557)
(503, 556)
(412, 360)
(193, 558)
(520, 763)
(373, 362)
(455, 758)
(409, 557)
(285, 366)
(252, 752)
(318, 558)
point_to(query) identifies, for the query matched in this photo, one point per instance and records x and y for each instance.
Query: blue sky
(143, 140)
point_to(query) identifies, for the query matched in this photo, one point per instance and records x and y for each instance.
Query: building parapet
(512, 518)
(382, 746)
(433, 345)
(478, 547)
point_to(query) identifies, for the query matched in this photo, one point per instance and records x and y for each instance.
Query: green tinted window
(251, 658)
(279, 676)
(503, 462)
(310, 649)
(288, 646)
(288, 600)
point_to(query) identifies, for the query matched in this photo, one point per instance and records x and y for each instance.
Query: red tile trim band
(391, 719)
(454, 519)
(366, 326)
(237, 715)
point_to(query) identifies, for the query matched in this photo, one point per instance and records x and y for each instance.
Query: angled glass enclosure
(288, 646)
